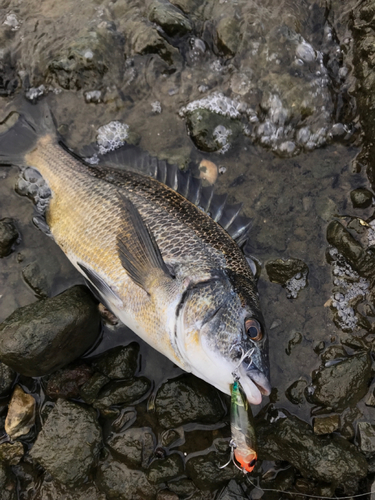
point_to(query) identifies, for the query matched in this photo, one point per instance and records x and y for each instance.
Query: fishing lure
(243, 443)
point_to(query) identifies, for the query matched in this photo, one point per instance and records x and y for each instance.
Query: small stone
(280, 270)
(187, 399)
(361, 198)
(36, 279)
(166, 495)
(295, 339)
(66, 383)
(341, 384)
(161, 471)
(169, 17)
(205, 471)
(366, 433)
(208, 171)
(228, 35)
(90, 390)
(124, 393)
(7, 376)
(11, 453)
(233, 492)
(295, 392)
(21, 414)
(326, 425)
(69, 442)
(182, 487)
(8, 236)
(37, 339)
(118, 482)
(119, 363)
(134, 446)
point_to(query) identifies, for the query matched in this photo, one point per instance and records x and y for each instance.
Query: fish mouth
(254, 382)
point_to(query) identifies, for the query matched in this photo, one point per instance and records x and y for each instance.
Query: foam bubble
(112, 136)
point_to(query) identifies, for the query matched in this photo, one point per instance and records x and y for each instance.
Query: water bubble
(112, 136)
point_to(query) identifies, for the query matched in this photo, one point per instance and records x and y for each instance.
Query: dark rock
(120, 362)
(233, 492)
(8, 237)
(187, 399)
(228, 35)
(21, 414)
(69, 442)
(361, 198)
(341, 384)
(36, 279)
(134, 446)
(8, 486)
(166, 495)
(11, 453)
(124, 393)
(161, 471)
(126, 418)
(118, 482)
(280, 270)
(169, 17)
(366, 436)
(205, 471)
(210, 131)
(182, 487)
(37, 339)
(333, 352)
(296, 392)
(330, 459)
(82, 63)
(326, 425)
(66, 383)
(7, 376)
(295, 339)
(90, 390)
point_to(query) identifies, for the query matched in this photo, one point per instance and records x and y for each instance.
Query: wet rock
(134, 446)
(37, 339)
(296, 392)
(120, 362)
(182, 487)
(326, 425)
(330, 459)
(210, 131)
(118, 482)
(232, 492)
(161, 471)
(290, 273)
(333, 352)
(366, 436)
(21, 414)
(342, 383)
(166, 495)
(8, 237)
(7, 484)
(126, 418)
(11, 453)
(36, 279)
(69, 442)
(173, 437)
(296, 338)
(228, 35)
(82, 63)
(90, 390)
(169, 17)
(205, 471)
(124, 393)
(66, 383)
(370, 396)
(7, 376)
(187, 399)
(361, 198)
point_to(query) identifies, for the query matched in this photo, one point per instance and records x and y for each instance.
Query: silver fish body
(163, 266)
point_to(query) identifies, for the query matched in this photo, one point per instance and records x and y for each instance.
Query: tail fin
(23, 124)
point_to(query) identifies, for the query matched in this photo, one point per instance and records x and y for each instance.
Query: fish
(158, 250)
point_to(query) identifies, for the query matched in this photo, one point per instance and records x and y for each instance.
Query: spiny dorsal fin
(135, 159)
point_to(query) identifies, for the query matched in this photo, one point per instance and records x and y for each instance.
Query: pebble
(21, 414)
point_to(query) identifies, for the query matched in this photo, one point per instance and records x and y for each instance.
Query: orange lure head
(246, 460)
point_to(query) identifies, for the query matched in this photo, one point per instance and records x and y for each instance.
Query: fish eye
(253, 329)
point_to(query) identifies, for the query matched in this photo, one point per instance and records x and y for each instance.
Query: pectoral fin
(100, 289)
(137, 248)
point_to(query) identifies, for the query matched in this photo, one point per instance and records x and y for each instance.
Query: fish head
(220, 333)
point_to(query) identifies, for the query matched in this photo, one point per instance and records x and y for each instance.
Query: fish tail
(21, 125)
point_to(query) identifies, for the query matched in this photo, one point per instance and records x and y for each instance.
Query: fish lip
(258, 378)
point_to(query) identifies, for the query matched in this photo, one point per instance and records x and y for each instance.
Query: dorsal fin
(135, 159)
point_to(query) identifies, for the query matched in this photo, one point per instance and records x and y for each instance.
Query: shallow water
(290, 197)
